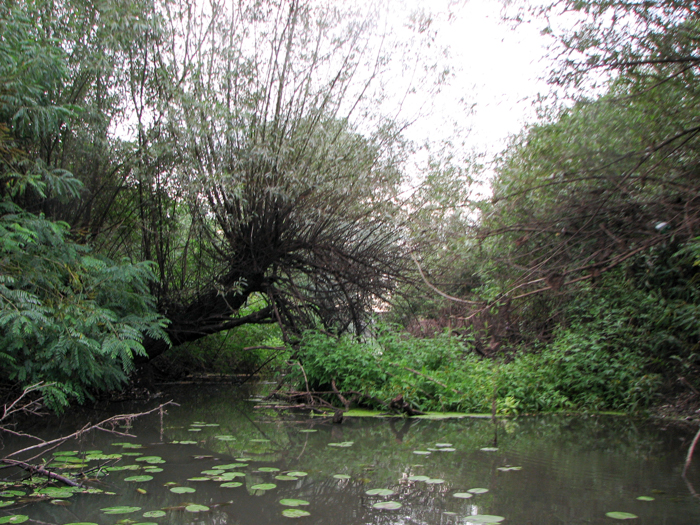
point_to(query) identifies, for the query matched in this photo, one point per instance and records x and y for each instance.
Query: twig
(88, 428)
(35, 469)
(689, 457)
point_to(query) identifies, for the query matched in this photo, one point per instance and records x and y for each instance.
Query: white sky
(497, 68)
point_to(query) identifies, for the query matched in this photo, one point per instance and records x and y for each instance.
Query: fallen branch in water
(45, 446)
(36, 469)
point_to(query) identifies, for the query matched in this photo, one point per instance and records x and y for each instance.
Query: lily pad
(230, 466)
(196, 508)
(645, 498)
(286, 478)
(418, 478)
(7, 503)
(435, 481)
(268, 469)
(620, 515)
(243, 459)
(288, 502)
(440, 445)
(152, 469)
(17, 518)
(121, 509)
(295, 513)
(380, 492)
(263, 486)
(308, 430)
(462, 495)
(484, 518)
(138, 479)
(447, 449)
(199, 478)
(154, 514)
(478, 491)
(297, 474)
(11, 493)
(231, 484)
(212, 472)
(487, 449)
(182, 490)
(387, 505)
(506, 469)
(422, 452)
(232, 475)
(341, 476)
(343, 444)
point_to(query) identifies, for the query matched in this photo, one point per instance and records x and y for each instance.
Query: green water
(561, 469)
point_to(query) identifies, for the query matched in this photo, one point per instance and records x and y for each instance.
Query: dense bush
(582, 370)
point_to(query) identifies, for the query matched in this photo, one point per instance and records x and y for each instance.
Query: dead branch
(87, 428)
(36, 469)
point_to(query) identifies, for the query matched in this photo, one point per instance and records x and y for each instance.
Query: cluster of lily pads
(228, 475)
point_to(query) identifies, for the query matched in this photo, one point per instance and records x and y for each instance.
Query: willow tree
(240, 147)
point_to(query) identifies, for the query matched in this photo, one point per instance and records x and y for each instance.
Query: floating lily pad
(620, 515)
(154, 514)
(196, 508)
(7, 503)
(199, 478)
(231, 484)
(194, 430)
(286, 478)
(297, 474)
(243, 459)
(341, 476)
(17, 518)
(225, 438)
(263, 486)
(230, 466)
(506, 469)
(293, 502)
(66, 453)
(485, 518)
(182, 490)
(295, 513)
(380, 492)
(60, 502)
(259, 440)
(422, 452)
(213, 472)
(308, 430)
(232, 475)
(645, 498)
(138, 479)
(268, 469)
(11, 493)
(434, 481)
(387, 505)
(487, 449)
(478, 491)
(462, 495)
(152, 469)
(418, 478)
(440, 445)
(447, 449)
(121, 509)
(343, 444)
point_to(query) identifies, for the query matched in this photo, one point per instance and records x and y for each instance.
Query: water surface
(561, 470)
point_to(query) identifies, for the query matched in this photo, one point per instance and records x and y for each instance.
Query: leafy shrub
(68, 318)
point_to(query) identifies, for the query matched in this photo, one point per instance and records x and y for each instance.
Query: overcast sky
(497, 68)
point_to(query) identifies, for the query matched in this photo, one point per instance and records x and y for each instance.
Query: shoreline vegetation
(236, 210)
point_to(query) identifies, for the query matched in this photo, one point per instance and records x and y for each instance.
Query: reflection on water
(573, 469)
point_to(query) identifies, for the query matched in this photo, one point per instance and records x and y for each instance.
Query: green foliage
(67, 317)
(582, 370)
